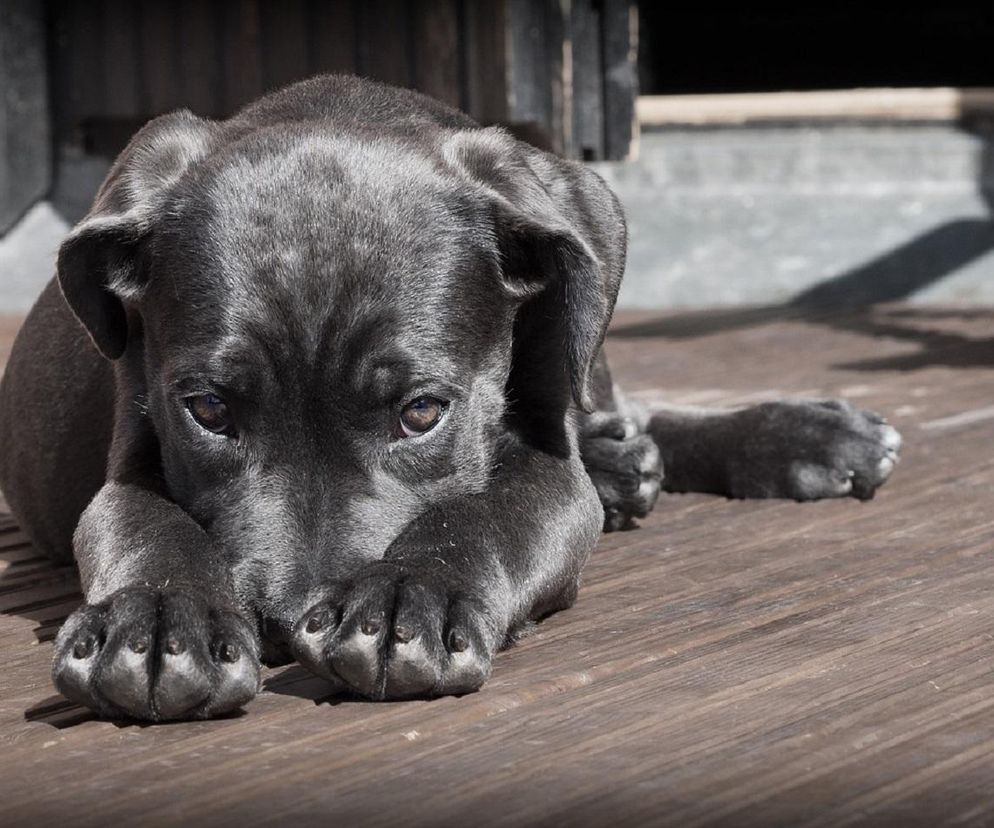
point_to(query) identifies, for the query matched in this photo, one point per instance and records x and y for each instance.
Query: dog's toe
(412, 669)
(235, 659)
(415, 655)
(812, 481)
(311, 636)
(889, 436)
(182, 677)
(608, 424)
(469, 642)
(103, 655)
(181, 685)
(77, 649)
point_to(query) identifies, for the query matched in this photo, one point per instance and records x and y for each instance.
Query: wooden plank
(385, 48)
(484, 56)
(746, 663)
(241, 74)
(123, 93)
(619, 27)
(333, 46)
(890, 105)
(79, 90)
(535, 37)
(285, 46)
(587, 80)
(198, 31)
(436, 49)
(159, 56)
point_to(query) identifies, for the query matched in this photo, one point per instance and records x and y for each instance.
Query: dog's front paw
(815, 449)
(393, 634)
(156, 655)
(624, 466)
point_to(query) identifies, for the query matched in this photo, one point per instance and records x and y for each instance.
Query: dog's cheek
(484, 423)
(200, 479)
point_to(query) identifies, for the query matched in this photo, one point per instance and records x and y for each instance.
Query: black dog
(347, 401)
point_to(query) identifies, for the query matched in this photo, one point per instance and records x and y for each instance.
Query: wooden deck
(729, 663)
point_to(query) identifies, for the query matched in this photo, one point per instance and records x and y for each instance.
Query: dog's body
(341, 344)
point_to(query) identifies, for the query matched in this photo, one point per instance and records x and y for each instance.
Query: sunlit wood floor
(728, 663)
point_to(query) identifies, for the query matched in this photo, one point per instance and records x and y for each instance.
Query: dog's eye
(421, 415)
(211, 413)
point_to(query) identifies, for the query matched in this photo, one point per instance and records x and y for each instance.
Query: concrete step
(819, 215)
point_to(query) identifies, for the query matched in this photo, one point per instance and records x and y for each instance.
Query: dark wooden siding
(116, 63)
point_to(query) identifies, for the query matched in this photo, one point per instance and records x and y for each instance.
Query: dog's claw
(230, 653)
(84, 647)
(317, 621)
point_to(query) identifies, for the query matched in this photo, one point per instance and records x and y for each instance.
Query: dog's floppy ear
(97, 270)
(99, 266)
(561, 240)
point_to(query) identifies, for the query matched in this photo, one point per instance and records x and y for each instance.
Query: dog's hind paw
(813, 449)
(624, 466)
(156, 655)
(393, 633)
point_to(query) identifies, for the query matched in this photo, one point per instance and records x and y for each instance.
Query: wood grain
(728, 663)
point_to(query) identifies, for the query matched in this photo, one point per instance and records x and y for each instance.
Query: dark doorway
(705, 48)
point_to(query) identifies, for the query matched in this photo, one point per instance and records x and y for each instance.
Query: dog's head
(321, 334)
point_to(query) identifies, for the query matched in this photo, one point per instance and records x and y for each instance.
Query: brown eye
(211, 413)
(421, 415)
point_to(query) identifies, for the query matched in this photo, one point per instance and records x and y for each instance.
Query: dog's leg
(159, 637)
(457, 583)
(805, 450)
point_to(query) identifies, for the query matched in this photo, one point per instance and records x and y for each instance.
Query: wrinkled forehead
(330, 250)
(308, 205)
